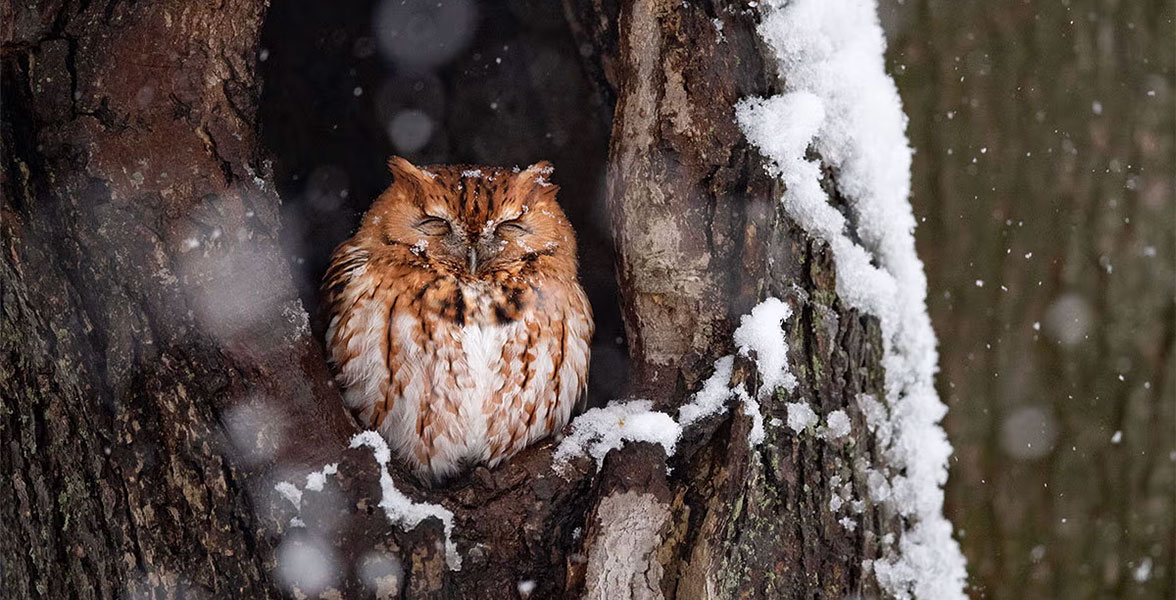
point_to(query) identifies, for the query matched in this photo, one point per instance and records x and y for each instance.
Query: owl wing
(582, 327)
(347, 261)
(356, 345)
(545, 371)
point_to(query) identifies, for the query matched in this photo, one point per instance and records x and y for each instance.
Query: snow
(400, 509)
(290, 492)
(305, 565)
(1143, 571)
(712, 398)
(920, 567)
(839, 100)
(877, 417)
(877, 486)
(526, 587)
(800, 416)
(837, 425)
(600, 430)
(751, 407)
(315, 481)
(835, 503)
(761, 333)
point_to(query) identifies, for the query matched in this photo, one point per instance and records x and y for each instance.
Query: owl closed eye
(457, 325)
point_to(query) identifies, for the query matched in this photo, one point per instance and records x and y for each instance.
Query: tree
(163, 400)
(1056, 151)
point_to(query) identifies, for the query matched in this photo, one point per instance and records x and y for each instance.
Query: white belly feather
(456, 376)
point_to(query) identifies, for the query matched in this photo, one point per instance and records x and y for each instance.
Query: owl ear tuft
(541, 168)
(535, 178)
(402, 170)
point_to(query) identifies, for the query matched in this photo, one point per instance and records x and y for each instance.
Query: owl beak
(473, 260)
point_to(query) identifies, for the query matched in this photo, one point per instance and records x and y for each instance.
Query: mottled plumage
(458, 328)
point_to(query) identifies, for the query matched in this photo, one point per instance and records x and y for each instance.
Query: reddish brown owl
(458, 328)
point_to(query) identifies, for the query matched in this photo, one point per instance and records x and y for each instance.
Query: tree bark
(159, 380)
(701, 239)
(133, 202)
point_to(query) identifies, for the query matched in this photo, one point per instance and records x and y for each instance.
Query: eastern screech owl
(458, 328)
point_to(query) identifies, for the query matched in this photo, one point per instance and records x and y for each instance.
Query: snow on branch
(400, 509)
(839, 100)
(314, 483)
(600, 430)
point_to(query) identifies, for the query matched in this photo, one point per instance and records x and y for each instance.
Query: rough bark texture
(700, 241)
(1045, 136)
(143, 297)
(157, 376)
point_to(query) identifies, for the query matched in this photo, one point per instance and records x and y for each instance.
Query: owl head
(472, 223)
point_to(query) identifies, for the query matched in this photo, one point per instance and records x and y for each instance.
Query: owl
(457, 326)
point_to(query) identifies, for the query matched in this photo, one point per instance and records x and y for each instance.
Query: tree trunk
(163, 401)
(1045, 169)
(144, 303)
(701, 239)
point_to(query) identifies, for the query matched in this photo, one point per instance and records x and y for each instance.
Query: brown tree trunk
(144, 301)
(701, 240)
(1045, 136)
(158, 380)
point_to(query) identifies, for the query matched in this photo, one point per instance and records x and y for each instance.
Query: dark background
(497, 83)
(1043, 184)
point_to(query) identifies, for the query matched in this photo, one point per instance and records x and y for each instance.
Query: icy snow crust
(839, 100)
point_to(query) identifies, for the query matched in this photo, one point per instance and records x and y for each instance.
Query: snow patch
(762, 332)
(315, 481)
(800, 416)
(600, 430)
(751, 408)
(290, 492)
(837, 425)
(712, 398)
(839, 99)
(400, 509)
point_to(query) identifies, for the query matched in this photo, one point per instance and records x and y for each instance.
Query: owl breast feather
(448, 392)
